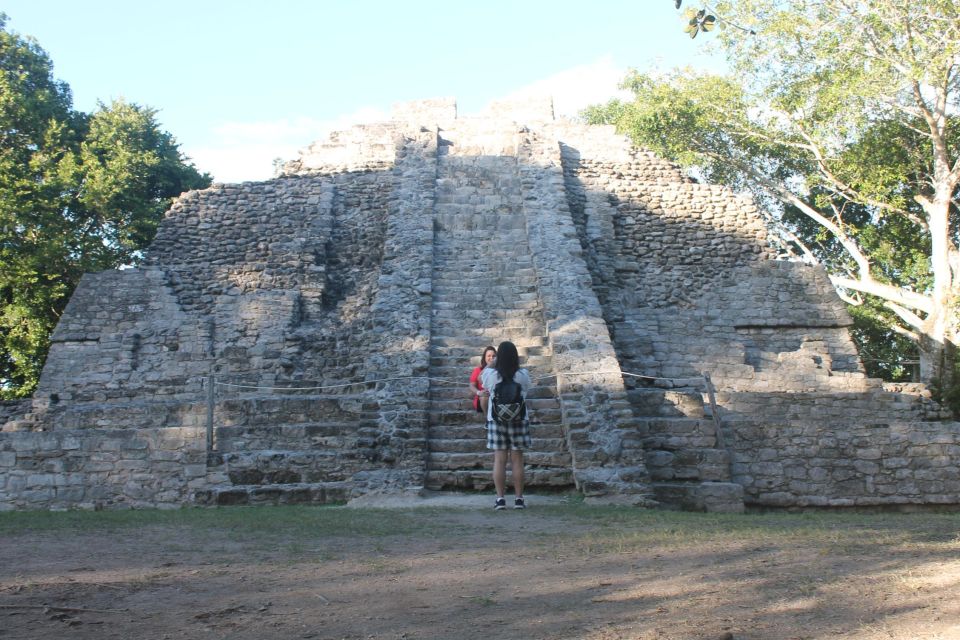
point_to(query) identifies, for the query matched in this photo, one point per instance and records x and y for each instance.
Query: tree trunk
(938, 357)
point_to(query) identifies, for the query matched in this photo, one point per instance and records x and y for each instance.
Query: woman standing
(507, 435)
(480, 395)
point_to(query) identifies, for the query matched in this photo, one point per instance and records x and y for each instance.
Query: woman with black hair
(481, 395)
(504, 435)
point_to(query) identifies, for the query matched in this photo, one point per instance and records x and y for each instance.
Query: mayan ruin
(308, 339)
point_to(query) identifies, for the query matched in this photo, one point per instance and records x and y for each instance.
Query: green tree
(838, 115)
(78, 192)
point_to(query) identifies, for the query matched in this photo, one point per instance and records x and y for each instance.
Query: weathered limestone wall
(108, 468)
(359, 148)
(398, 357)
(592, 397)
(437, 112)
(689, 283)
(818, 464)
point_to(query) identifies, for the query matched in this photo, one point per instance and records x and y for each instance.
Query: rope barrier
(332, 386)
(431, 379)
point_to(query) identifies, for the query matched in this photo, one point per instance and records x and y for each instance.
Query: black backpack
(508, 404)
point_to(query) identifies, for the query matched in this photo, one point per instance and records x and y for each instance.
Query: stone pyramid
(309, 339)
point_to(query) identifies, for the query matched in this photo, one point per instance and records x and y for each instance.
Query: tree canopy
(840, 117)
(78, 193)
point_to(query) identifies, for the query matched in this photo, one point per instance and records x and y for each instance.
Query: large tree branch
(850, 300)
(906, 333)
(889, 293)
(792, 237)
(906, 315)
(865, 283)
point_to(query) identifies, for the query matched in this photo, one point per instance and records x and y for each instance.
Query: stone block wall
(398, 346)
(328, 345)
(88, 469)
(359, 148)
(689, 283)
(433, 113)
(858, 463)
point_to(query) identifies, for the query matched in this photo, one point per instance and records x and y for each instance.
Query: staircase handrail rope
(440, 380)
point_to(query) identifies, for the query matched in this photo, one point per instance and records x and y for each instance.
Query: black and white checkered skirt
(514, 436)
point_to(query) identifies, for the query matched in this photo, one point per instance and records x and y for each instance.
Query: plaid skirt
(513, 435)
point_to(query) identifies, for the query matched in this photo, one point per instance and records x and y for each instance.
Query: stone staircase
(688, 467)
(484, 291)
(282, 449)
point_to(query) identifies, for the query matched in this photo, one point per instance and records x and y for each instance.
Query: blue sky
(240, 83)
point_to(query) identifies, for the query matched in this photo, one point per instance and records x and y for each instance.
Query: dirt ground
(553, 571)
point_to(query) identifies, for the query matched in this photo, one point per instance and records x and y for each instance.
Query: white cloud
(243, 151)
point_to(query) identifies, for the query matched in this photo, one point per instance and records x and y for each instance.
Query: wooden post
(714, 411)
(211, 399)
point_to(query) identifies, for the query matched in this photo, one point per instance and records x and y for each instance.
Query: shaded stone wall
(592, 397)
(690, 285)
(115, 468)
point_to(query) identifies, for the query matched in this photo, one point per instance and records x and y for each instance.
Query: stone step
(458, 362)
(470, 329)
(674, 426)
(467, 247)
(666, 402)
(319, 439)
(488, 317)
(260, 412)
(475, 429)
(487, 333)
(537, 391)
(479, 297)
(483, 459)
(820, 406)
(482, 479)
(464, 414)
(717, 497)
(479, 445)
(454, 222)
(501, 286)
(477, 275)
(275, 494)
(279, 466)
(701, 464)
(515, 305)
(538, 367)
(460, 371)
(468, 345)
(483, 201)
(468, 274)
(453, 404)
(454, 382)
(467, 257)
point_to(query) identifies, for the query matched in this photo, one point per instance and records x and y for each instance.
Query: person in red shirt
(481, 396)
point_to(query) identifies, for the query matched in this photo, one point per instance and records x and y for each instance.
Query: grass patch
(289, 521)
(297, 530)
(622, 529)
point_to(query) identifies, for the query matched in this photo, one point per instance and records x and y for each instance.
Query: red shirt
(475, 379)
